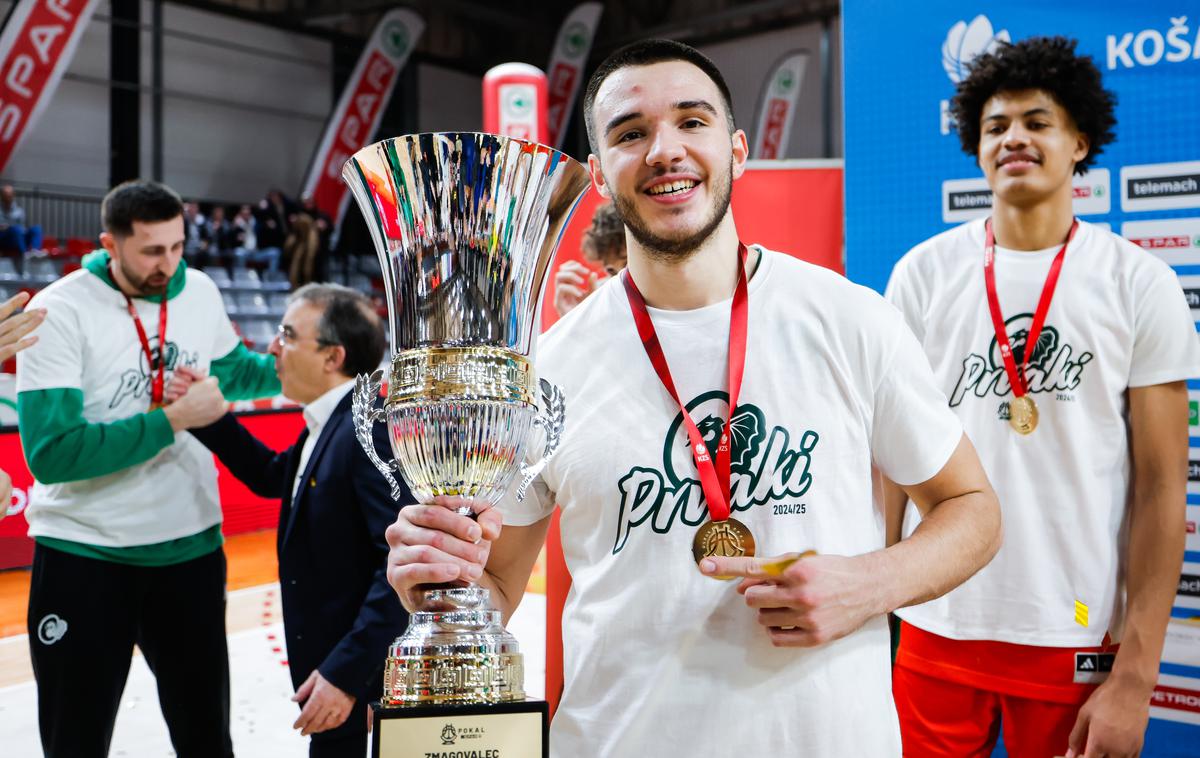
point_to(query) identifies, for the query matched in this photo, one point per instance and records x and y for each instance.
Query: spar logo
(395, 39)
(1167, 242)
(768, 465)
(575, 39)
(1053, 366)
(1085, 192)
(1149, 47)
(964, 43)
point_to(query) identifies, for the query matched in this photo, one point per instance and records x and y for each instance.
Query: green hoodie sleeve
(61, 446)
(246, 375)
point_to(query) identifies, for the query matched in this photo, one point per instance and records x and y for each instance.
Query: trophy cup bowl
(465, 226)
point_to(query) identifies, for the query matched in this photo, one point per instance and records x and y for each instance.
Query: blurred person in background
(603, 243)
(195, 235)
(245, 242)
(220, 235)
(124, 510)
(16, 233)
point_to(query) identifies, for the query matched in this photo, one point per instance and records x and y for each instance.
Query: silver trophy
(465, 226)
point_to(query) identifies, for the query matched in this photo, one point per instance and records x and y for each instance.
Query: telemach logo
(958, 201)
(1194, 471)
(1193, 297)
(1053, 366)
(1164, 186)
(1189, 585)
(767, 464)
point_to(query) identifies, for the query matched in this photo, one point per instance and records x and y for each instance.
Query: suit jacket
(339, 613)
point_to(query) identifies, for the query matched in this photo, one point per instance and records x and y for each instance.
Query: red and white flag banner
(777, 106)
(565, 73)
(353, 122)
(36, 46)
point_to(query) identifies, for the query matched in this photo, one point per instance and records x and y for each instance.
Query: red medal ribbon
(714, 478)
(158, 384)
(1016, 377)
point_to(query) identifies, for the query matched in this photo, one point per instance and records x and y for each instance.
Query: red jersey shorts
(953, 696)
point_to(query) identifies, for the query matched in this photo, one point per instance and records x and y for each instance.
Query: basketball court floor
(261, 711)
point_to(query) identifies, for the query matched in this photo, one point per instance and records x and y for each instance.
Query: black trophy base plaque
(499, 730)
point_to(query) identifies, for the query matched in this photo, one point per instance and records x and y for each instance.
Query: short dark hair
(348, 320)
(138, 200)
(1049, 64)
(605, 236)
(645, 53)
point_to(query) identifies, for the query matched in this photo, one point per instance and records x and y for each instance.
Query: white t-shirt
(1118, 320)
(659, 659)
(88, 342)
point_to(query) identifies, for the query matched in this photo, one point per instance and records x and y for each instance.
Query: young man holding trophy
(666, 492)
(1063, 348)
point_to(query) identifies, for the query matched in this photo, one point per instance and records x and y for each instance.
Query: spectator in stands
(15, 232)
(195, 231)
(324, 225)
(220, 235)
(274, 219)
(302, 249)
(603, 243)
(14, 328)
(245, 242)
(339, 614)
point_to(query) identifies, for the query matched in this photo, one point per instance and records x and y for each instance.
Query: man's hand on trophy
(432, 544)
(814, 600)
(182, 378)
(202, 405)
(325, 706)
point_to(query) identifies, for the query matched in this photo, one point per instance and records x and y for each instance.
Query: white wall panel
(448, 100)
(745, 63)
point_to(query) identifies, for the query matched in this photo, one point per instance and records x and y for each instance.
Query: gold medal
(1023, 414)
(722, 539)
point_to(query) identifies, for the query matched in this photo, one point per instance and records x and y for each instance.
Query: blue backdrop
(908, 179)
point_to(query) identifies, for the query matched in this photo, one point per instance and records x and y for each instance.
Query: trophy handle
(554, 412)
(365, 414)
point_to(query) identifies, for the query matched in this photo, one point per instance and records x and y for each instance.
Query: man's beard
(669, 249)
(141, 284)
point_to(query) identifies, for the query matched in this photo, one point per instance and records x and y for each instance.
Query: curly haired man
(1063, 349)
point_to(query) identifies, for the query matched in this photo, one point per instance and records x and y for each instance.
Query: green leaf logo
(785, 81)
(395, 39)
(575, 39)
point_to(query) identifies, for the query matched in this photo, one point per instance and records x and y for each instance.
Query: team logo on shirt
(51, 629)
(769, 464)
(135, 382)
(1054, 366)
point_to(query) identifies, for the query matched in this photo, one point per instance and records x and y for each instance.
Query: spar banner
(353, 122)
(777, 105)
(36, 46)
(907, 179)
(566, 67)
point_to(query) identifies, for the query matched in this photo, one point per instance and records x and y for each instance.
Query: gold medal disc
(722, 539)
(1023, 414)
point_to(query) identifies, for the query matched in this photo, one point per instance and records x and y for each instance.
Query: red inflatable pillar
(514, 102)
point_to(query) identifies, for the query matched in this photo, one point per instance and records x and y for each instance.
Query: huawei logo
(966, 42)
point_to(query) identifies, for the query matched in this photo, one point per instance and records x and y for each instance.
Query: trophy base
(519, 729)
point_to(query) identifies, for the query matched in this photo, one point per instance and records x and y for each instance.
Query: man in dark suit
(339, 613)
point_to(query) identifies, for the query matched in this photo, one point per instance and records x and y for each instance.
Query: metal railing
(61, 213)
